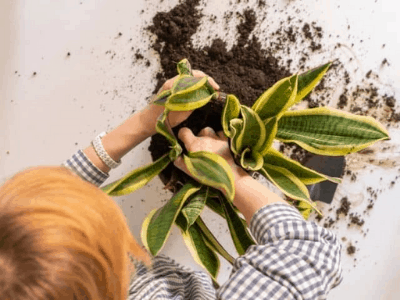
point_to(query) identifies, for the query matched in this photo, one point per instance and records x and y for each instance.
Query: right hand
(207, 140)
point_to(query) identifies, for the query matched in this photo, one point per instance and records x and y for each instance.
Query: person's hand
(207, 140)
(176, 117)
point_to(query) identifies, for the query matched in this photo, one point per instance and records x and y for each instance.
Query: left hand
(176, 117)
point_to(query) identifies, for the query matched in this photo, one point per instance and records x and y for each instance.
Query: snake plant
(251, 132)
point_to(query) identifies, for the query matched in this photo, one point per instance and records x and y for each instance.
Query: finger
(213, 83)
(186, 136)
(207, 131)
(197, 73)
(168, 84)
(222, 135)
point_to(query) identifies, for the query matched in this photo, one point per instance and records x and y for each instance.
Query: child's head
(60, 237)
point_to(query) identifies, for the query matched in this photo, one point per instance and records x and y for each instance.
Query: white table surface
(47, 117)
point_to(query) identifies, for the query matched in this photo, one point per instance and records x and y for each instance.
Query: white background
(47, 117)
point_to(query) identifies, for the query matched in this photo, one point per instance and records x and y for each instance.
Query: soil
(246, 70)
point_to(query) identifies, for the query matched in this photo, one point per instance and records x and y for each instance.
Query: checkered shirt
(293, 259)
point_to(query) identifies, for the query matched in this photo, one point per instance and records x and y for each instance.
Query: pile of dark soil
(246, 70)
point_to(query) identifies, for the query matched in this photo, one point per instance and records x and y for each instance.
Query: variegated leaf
(215, 205)
(253, 134)
(306, 175)
(162, 128)
(145, 228)
(190, 100)
(184, 67)
(277, 99)
(329, 131)
(231, 111)
(236, 126)
(202, 253)
(308, 80)
(271, 129)
(251, 160)
(305, 209)
(162, 97)
(288, 183)
(195, 205)
(212, 241)
(240, 235)
(183, 84)
(211, 169)
(159, 226)
(137, 178)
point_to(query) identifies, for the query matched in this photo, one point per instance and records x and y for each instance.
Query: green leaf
(286, 182)
(277, 99)
(236, 126)
(181, 222)
(251, 160)
(138, 178)
(163, 129)
(195, 205)
(212, 242)
(329, 131)
(306, 175)
(145, 228)
(162, 97)
(188, 83)
(184, 67)
(190, 101)
(253, 134)
(305, 209)
(193, 97)
(211, 169)
(308, 80)
(159, 226)
(231, 111)
(201, 252)
(271, 129)
(215, 205)
(240, 235)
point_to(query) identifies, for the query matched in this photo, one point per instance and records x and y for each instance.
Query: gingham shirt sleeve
(80, 164)
(294, 259)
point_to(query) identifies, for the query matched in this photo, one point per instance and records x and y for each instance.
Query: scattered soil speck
(344, 207)
(356, 220)
(351, 249)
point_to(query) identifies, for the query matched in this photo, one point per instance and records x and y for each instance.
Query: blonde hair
(62, 238)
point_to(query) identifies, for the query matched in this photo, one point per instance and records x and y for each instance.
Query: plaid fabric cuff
(80, 164)
(266, 217)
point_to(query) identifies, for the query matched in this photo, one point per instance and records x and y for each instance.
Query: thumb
(186, 136)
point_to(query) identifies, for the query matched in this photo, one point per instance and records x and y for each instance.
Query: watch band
(101, 152)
